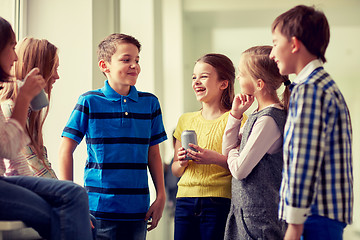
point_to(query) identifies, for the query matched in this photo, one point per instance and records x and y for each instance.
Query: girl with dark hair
(204, 190)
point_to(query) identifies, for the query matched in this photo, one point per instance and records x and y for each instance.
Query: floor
(165, 229)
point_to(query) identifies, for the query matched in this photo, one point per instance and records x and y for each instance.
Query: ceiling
(261, 13)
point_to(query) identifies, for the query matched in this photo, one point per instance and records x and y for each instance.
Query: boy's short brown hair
(308, 25)
(107, 47)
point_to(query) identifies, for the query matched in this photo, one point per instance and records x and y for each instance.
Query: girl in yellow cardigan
(204, 190)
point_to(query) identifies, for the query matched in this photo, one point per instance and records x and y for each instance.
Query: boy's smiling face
(281, 52)
(123, 69)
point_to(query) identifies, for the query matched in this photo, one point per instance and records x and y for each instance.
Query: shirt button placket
(126, 113)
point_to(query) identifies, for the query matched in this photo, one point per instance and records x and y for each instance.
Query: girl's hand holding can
(204, 156)
(183, 162)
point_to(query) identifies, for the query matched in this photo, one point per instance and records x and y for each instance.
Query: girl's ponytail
(286, 94)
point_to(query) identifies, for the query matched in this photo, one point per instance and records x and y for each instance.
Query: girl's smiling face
(206, 84)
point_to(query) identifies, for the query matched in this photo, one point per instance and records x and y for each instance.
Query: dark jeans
(55, 209)
(317, 227)
(120, 230)
(201, 218)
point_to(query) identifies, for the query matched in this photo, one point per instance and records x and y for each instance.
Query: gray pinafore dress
(255, 199)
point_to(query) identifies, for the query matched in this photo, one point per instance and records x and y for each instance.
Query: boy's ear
(224, 84)
(295, 44)
(103, 66)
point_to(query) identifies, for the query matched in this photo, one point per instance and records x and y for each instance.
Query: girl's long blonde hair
(43, 55)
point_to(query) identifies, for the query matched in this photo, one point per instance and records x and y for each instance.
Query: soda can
(188, 136)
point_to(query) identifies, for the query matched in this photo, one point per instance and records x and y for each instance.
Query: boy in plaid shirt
(317, 187)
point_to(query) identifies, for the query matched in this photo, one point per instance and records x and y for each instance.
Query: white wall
(5, 5)
(173, 103)
(68, 25)
(344, 65)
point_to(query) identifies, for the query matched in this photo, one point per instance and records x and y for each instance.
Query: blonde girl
(204, 190)
(43, 55)
(254, 151)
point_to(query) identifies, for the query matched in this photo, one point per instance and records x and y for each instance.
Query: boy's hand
(294, 232)
(155, 213)
(92, 225)
(240, 104)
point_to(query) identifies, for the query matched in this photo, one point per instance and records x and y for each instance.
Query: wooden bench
(11, 230)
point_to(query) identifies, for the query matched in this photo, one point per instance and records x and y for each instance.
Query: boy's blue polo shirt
(119, 131)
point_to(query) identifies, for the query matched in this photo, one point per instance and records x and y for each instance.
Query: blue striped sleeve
(77, 124)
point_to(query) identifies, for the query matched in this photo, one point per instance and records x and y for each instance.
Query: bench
(11, 230)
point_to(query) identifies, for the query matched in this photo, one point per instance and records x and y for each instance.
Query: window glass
(10, 10)
(7, 11)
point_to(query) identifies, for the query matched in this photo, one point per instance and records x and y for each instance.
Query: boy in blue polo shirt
(316, 194)
(123, 129)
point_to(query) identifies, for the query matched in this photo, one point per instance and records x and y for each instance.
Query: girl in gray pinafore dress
(256, 168)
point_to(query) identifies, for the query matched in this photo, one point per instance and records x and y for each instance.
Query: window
(10, 10)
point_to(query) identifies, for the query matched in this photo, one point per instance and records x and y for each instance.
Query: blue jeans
(201, 218)
(126, 230)
(317, 227)
(55, 209)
